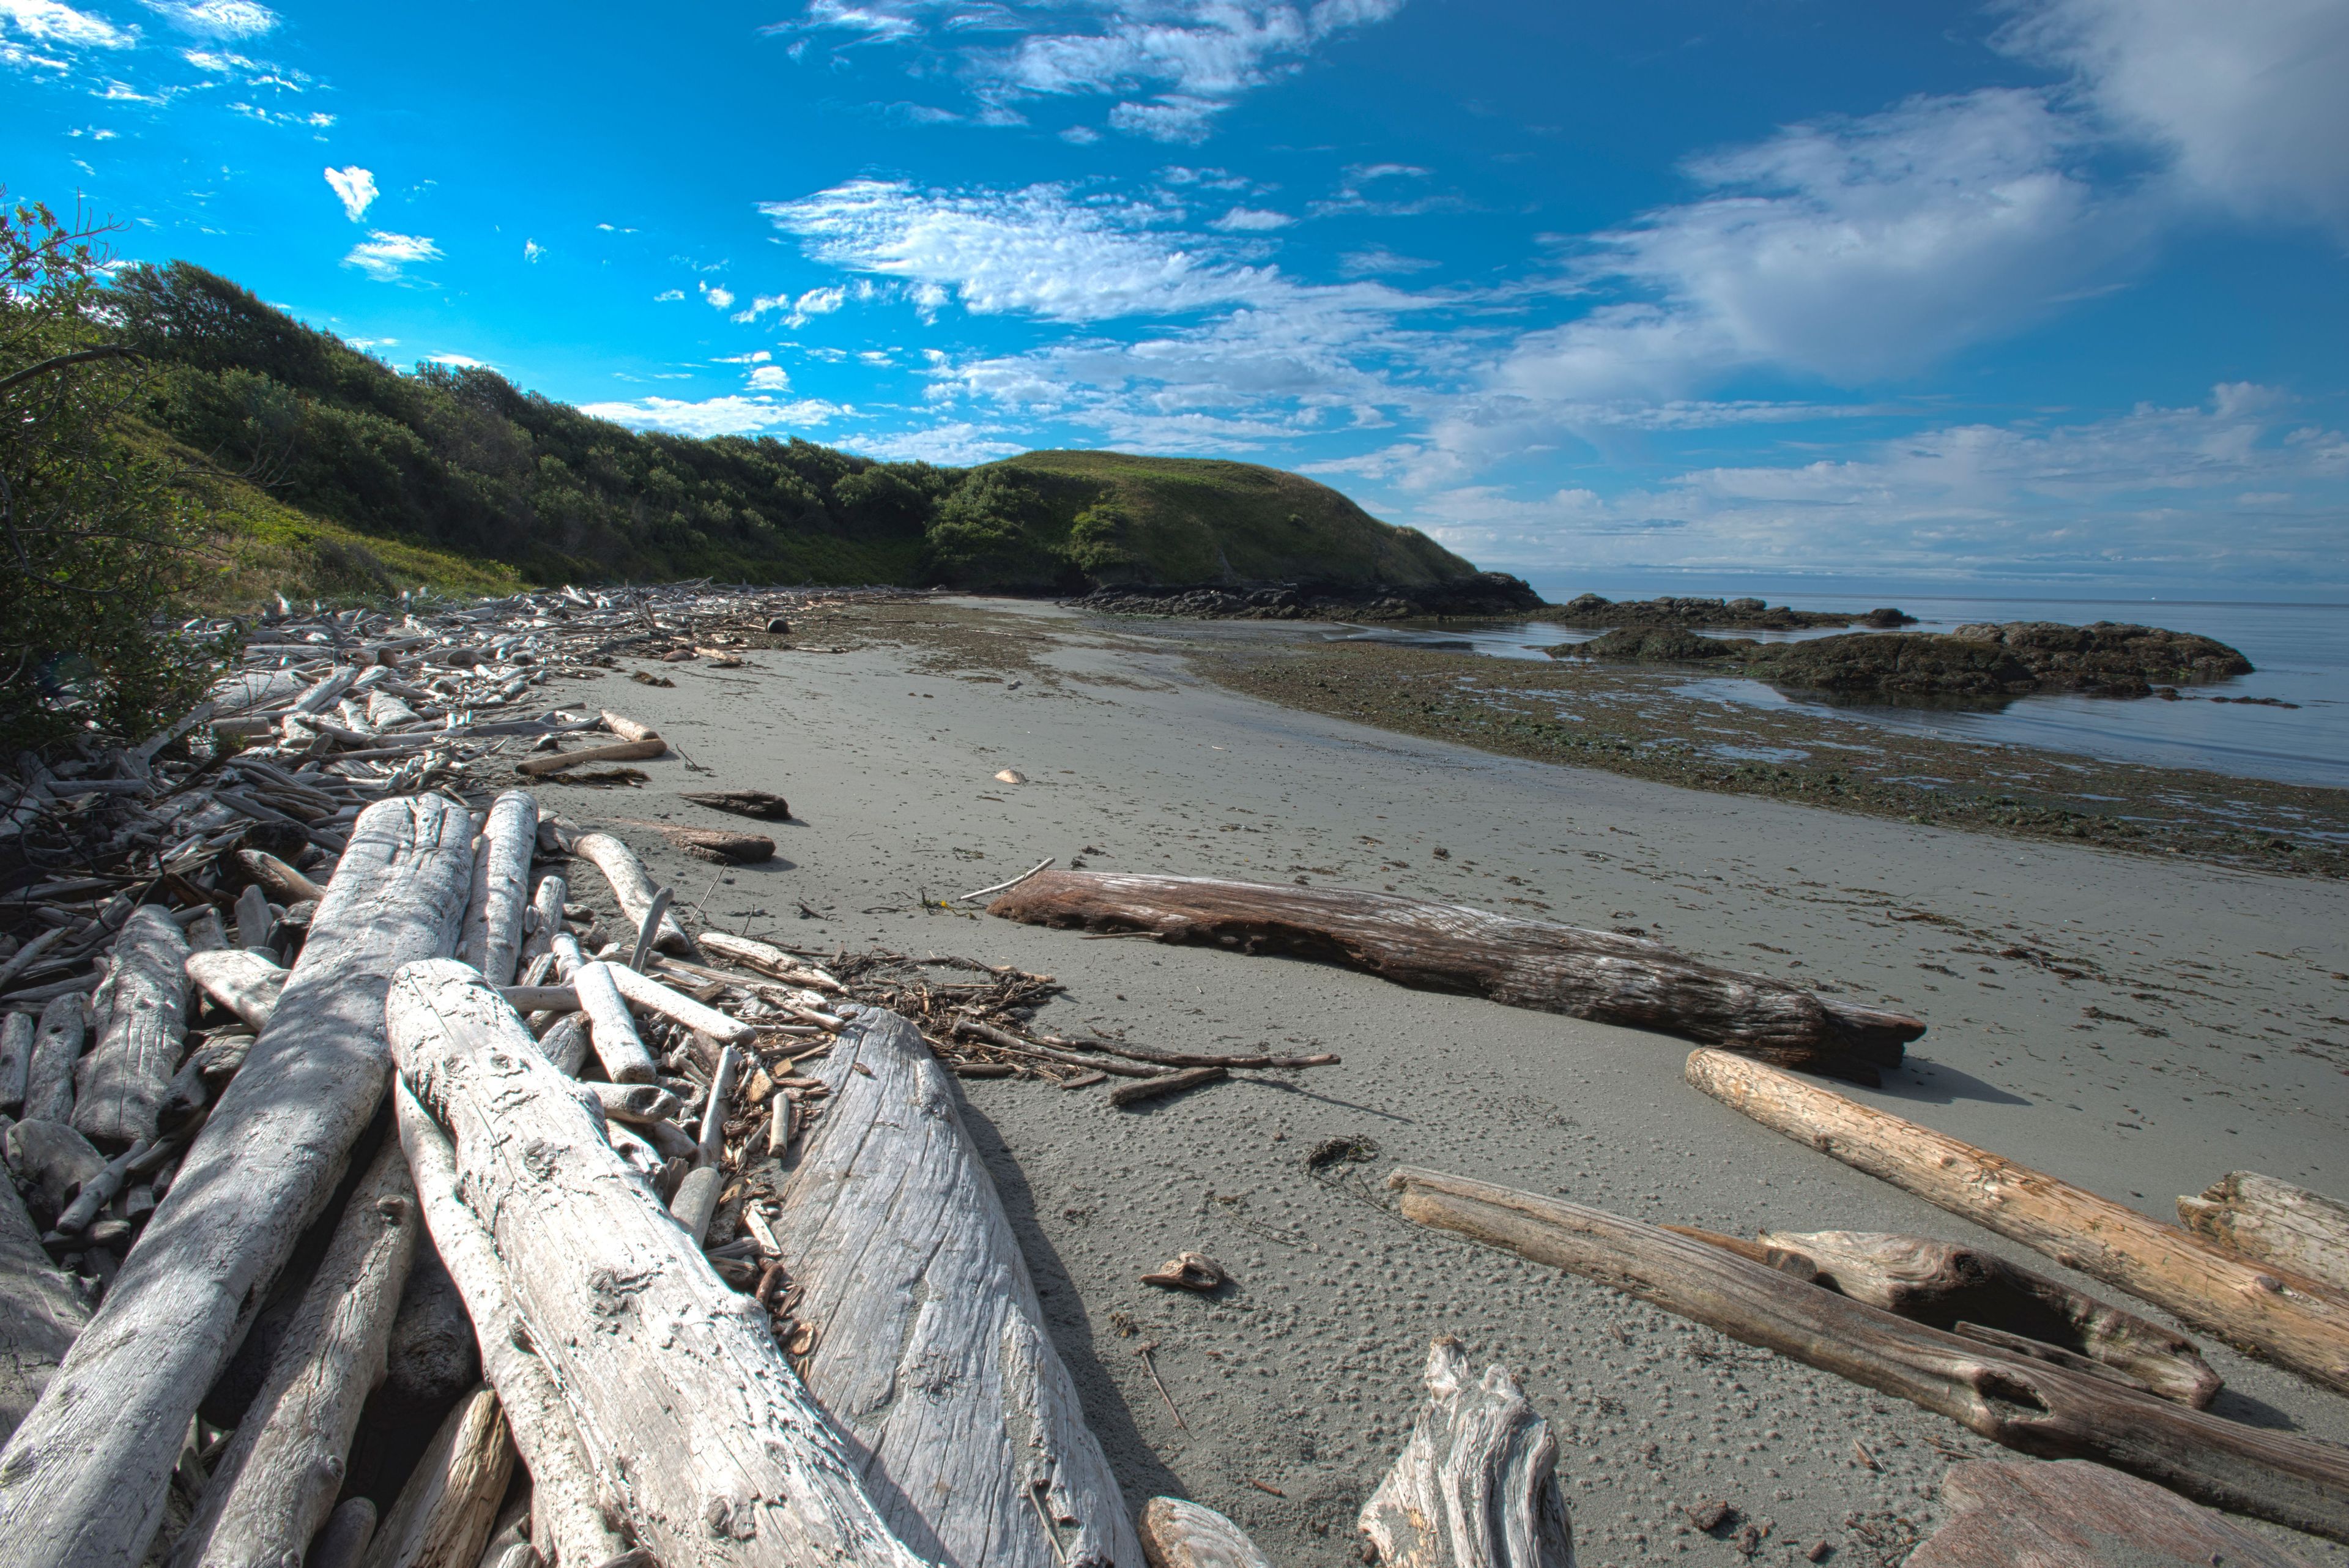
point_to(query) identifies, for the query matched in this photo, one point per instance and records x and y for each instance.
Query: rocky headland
(2106, 659)
(1485, 594)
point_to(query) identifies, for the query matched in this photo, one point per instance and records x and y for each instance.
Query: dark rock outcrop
(1724, 615)
(1981, 661)
(1485, 594)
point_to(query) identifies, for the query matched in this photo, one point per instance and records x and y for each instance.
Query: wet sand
(2169, 1020)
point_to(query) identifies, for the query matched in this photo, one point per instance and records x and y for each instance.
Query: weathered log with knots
(82, 1481)
(2021, 1402)
(1597, 975)
(2295, 1322)
(678, 1390)
(891, 1225)
(492, 934)
(2270, 1222)
(1476, 1485)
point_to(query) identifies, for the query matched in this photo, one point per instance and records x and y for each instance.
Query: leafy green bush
(98, 536)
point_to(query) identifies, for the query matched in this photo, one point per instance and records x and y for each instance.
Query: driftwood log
(120, 1086)
(632, 886)
(770, 959)
(627, 728)
(492, 934)
(569, 1505)
(57, 1040)
(674, 1380)
(1597, 975)
(247, 983)
(2293, 1323)
(276, 1483)
(1476, 1486)
(41, 1312)
(2022, 1403)
(1176, 1533)
(2074, 1514)
(642, 990)
(1945, 1285)
(617, 752)
(893, 1227)
(15, 1060)
(442, 1516)
(51, 1161)
(343, 1543)
(756, 803)
(721, 848)
(269, 872)
(610, 1028)
(83, 1480)
(2270, 1222)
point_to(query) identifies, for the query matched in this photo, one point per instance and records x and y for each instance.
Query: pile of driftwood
(671, 1190)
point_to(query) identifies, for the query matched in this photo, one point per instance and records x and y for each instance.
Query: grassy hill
(326, 471)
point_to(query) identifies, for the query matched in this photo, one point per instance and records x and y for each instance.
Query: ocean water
(2301, 651)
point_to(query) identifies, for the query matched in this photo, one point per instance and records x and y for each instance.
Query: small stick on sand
(999, 886)
(1144, 1350)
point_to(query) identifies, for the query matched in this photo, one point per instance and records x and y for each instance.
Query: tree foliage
(95, 538)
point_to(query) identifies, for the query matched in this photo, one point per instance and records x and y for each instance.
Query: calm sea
(2302, 652)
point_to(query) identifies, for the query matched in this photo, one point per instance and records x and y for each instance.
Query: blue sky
(2046, 292)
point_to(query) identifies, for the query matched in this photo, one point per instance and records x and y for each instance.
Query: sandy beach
(2170, 1020)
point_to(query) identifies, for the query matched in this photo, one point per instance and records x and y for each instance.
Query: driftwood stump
(892, 1224)
(673, 1377)
(1597, 975)
(2024, 1404)
(82, 1482)
(2274, 1222)
(1476, 1486)
(2074, 1514)
(2293, 1323)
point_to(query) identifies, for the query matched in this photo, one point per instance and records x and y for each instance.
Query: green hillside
(325, 469)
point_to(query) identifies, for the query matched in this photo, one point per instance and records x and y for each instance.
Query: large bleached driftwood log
(2291, 1322)
(245, 983)
(568, 1504)
(492, 934)
(82, 1481)
(1943, 1285)
(275, 1484)
(57, 1040)
(120, 1086)
(2074, 1514)
(2020, 1402)
(617, 752)
(1176, 1533)
(2270, 1222)
(40, 1311)
(1597, 975)
(442, 1516)
(674, 1378)
(1476, 1486)
(893, 1226)
(631, 885)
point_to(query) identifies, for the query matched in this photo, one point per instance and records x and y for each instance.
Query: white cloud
(220, 19)
(384, 256)
(732, 415)
(2249, 97)
(1251, 220)
(957, 443)
(1173, 65)
(356, 187)
(1378, 259)
(2232, 490)
(532, 250)
(756, 356)
(718, 298)
(458, 361)
(770, 379)
(669, 296)
(48, 21)
(815, 302)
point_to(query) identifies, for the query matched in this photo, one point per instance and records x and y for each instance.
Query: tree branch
(110, 351)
